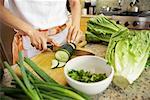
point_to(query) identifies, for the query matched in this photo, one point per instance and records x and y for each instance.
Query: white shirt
(41, 14)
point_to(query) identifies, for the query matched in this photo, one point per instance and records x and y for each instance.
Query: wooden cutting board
(44, 59)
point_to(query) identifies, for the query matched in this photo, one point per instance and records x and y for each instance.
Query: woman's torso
(41, 14)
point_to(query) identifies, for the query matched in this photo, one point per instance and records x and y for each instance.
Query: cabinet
(83, 23)
(6, 38)
(84, 20)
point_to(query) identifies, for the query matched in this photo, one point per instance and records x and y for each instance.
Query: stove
(133, 22)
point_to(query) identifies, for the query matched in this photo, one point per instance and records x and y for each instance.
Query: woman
(39, 22)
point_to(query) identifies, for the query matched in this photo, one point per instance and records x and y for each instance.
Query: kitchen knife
(78, 52)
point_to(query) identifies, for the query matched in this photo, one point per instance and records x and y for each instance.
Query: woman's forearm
(75, 11)
(8, 18)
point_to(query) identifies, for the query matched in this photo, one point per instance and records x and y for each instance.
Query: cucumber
(70, 47)
(54, 63)
(62, 55)
(61, 64)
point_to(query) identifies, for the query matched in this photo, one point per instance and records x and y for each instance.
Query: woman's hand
(75, 35)
(40, 40)
(72, 33)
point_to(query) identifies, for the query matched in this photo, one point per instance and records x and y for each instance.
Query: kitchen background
(6, 34)
(140, 89)
(144, 5)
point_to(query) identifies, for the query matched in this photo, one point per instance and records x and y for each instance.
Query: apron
(22, 43)
(58, 34)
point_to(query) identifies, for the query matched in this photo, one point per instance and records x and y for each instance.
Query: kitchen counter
(139, 90)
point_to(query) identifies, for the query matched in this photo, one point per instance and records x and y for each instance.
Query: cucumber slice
(55, 63)
(62, 55)
(61, 64)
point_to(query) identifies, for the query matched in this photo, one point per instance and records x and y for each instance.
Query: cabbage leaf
(128, 52)
(101, 28)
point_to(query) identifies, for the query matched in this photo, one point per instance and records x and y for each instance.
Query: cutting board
(44, 59)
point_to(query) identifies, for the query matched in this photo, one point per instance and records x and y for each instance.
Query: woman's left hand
(75, 35)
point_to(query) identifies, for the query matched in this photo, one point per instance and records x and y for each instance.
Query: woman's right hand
(40, 39)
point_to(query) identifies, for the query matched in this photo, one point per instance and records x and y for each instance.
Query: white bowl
(94, 64)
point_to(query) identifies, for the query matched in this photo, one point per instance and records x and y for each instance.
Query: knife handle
(50, 46)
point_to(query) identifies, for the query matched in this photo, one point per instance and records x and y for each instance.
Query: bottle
(93, 5)
(84, 11)
(91, 10)
(136, 7)
(87, 4)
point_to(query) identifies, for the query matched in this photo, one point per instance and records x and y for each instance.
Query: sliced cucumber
(61, 64)
(62, 55)
(55, 63)
(69, 47)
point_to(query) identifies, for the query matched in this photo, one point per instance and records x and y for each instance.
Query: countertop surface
(139, 90)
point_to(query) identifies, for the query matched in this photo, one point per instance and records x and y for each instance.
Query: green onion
(58, 95)
(49, 97)
(10, 90)
(17, 79)
(40, 72)
(29, 86)
(59, 89)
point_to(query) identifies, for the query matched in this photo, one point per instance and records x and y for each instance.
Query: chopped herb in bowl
(86, 76)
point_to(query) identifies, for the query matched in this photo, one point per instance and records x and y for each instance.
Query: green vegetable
(18, 80)
(62, 90)
(65, 87)
(62, 55)
(33, 76)
(47, 97)
(61, 64)
(55, 63)
(128, 52)
(6, 98)
(148, 62)
(70, 47)
(95, 39)
(40, 72)
(30, 87)
(58, 95)
(65, 52)
(86, 76)
(10, 90)
(100, 29)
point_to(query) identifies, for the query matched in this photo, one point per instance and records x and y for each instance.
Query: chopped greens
(86, 76)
